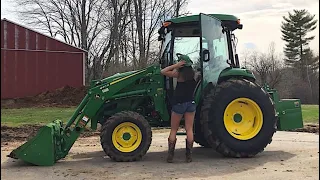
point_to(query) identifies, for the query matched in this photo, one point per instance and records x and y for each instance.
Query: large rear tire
(126, 136)
(238, 118)
(199, 136)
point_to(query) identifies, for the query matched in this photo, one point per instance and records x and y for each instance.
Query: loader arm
(58, 140)
(98, 95)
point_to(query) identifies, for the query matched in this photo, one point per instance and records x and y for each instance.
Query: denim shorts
(182, 108)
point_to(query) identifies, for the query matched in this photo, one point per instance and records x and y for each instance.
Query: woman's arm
(171, 71)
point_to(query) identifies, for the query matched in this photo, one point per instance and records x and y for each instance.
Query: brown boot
(171, 147)
(189, 146)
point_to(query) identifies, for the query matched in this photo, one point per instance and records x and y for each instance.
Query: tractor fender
(236, 73)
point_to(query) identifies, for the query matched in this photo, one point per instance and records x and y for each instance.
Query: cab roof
(194, 18)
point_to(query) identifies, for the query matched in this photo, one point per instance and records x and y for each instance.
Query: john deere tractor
(235, 116)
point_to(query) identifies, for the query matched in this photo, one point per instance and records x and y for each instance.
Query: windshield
(188, 46)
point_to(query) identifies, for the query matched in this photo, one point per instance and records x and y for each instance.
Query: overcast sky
(261, 19)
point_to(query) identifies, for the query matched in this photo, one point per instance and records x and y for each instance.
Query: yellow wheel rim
(126, 137)
(243, 118)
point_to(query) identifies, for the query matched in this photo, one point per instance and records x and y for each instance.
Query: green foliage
(294, 30)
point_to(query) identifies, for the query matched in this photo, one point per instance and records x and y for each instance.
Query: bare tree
(267, 66)
(93, 25)
(121, 33)
(147, 16)
(178, 5)
(245, 57)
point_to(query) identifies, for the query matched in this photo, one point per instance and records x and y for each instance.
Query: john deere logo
(296, 104)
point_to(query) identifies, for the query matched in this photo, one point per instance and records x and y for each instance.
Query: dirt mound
(62, 97)
(11, 134)
(311, 128)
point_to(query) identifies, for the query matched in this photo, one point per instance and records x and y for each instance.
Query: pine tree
(294, 30)
(315, 66)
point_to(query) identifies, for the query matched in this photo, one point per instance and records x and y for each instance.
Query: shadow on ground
(207, 163)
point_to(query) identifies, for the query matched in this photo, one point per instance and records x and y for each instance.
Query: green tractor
(235, 116)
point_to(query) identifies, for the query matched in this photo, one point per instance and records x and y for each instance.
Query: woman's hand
(171, 71)
(180, 64)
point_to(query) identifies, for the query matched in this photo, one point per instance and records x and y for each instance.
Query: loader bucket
(41, 149)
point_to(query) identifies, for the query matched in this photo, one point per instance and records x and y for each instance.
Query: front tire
(238, 118)
(126, 136)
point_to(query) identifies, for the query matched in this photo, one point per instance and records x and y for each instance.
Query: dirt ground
(291, 155)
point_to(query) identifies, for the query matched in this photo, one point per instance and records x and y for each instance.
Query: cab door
(215, 56)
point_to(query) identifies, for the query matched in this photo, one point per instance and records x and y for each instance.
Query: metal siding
(26, 71)
(76, 69)
(2, 36)
(42, 71)
(41, 43)
(22, 38)
(54, 45)
(10, 36)
(33, 72)
(16, 37)
(52, 76)
(30, 64)
(32, 40)
(8, 74)
(20, 65)
(2, 70)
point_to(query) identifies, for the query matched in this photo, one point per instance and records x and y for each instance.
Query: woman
(182, 105)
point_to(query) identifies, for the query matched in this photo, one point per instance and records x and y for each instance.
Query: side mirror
(206, 55)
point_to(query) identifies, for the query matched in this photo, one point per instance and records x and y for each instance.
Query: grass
(310, 113)
(18, 117)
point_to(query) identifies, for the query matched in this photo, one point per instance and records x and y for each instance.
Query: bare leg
(175, 122)
(189, 119)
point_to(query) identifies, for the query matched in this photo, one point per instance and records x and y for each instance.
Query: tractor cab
(207, 39)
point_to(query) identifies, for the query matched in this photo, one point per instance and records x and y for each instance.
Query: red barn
(32, 63)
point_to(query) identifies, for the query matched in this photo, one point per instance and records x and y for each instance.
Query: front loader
(235, 115)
